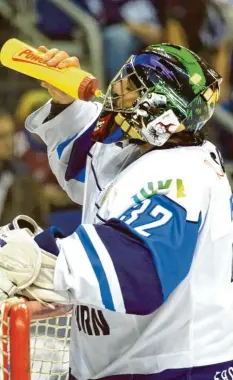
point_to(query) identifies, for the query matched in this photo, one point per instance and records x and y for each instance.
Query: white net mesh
(49, 348)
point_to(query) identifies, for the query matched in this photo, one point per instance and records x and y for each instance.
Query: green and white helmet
(173, 88)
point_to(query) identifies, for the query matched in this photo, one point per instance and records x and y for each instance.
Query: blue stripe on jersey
(231, 206)
(63, 145)
(220, 371)
(80, 150)
(81, 175)
(97, 267)
(171, 244)
(116, 136)
(133, 264)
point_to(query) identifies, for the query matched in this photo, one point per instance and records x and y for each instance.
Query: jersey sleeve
(68, 135)
(130, 264)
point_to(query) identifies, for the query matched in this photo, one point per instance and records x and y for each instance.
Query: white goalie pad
(27, 270)
(21, 222)
(20, 258)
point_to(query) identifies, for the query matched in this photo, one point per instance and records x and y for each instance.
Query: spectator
(19, 193)
(201, 26)
(31, 150)
(127, 26)
(54, 22)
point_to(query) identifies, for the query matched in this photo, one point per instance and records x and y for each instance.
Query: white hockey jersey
(149, 268)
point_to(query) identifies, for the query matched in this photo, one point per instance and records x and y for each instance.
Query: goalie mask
(161, 91)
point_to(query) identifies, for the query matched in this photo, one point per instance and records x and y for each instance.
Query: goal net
(34, 341)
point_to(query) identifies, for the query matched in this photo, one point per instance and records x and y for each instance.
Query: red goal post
(34, 341)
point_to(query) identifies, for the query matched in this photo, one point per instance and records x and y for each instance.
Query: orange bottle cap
(87, 88)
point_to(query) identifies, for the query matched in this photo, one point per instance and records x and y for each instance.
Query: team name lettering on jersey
(227, 374)
(91, 321)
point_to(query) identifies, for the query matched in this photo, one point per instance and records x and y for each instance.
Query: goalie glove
(26, 269)
(22, 221)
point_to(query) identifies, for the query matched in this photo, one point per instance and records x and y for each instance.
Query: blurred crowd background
(103, 34)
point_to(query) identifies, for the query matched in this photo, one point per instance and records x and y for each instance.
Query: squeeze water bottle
(25, 59)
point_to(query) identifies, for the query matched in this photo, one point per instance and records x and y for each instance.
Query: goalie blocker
(26, 269)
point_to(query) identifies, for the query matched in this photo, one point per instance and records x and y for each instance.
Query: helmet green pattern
(177, 90)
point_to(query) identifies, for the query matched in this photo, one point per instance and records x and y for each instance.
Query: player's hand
(58, 58)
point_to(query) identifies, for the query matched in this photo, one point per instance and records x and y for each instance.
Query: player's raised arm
(63, 121)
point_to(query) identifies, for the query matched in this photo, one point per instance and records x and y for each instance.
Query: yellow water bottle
(25, 59)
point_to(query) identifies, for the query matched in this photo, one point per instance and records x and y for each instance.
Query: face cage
(143, 91)
(111, 98)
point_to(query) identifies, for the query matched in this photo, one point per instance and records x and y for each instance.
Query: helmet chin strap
(127, 128)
